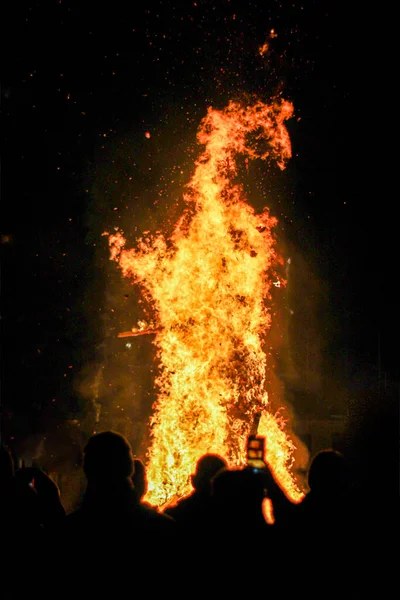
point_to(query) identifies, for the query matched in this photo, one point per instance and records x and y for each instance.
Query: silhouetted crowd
(215, 543)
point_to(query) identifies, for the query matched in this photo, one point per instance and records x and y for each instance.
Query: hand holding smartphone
(255, 452)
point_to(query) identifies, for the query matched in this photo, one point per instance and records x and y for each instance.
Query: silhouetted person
(19, 500)
(109, 468)
(191, 511)
(21, 531)
(50, 508)
(238, 496)
(112, 532)
(320, 527)
(322, 510)
(324, 503)
(237, 539)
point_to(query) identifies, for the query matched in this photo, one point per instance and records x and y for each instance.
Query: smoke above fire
(209, 289)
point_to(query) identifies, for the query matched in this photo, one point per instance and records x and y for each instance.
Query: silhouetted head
(107, 456)
(139, 478)
(327, 474)
(207, 467)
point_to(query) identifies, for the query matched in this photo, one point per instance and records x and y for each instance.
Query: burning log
(135, 333)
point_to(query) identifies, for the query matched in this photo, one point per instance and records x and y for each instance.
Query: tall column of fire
(209, 286)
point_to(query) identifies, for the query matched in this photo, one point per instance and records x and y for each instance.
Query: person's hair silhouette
(207, 467)
(192, 512)
(107, 457)
(327, 474)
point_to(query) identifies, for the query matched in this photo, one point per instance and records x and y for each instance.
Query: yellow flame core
(209, 286)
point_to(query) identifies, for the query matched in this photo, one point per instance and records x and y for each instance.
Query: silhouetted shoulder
(150, 517)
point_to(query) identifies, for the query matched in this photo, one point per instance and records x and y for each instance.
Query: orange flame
(209, 286)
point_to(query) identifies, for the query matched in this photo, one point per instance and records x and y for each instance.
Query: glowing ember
(209, 286)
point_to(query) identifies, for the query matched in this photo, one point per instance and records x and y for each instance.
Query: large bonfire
(209, 286)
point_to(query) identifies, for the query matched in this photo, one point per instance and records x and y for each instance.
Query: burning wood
(135, 333)
(211, 293)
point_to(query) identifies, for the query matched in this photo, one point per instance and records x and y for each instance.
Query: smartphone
(255, 451)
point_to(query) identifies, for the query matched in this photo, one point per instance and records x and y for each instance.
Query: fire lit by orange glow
(209, 286)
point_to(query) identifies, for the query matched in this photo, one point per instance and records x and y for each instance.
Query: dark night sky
(83, 82)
